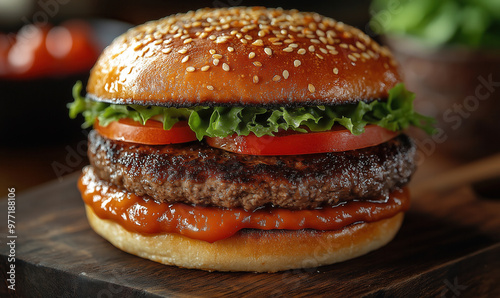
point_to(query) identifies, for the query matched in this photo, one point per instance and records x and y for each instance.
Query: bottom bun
(253, 250)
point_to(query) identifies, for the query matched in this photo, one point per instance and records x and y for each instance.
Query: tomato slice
(152, 133)
(295, 143)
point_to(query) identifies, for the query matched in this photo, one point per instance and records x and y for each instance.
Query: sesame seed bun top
(243, 56)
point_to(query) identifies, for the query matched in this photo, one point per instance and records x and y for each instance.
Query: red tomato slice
(152, 133)
(295, 143)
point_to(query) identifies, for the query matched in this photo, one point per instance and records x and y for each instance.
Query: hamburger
(246, 139)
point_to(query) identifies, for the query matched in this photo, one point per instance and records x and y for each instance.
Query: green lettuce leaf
(395, 114)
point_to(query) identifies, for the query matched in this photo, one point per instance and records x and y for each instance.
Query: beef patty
(199, 174)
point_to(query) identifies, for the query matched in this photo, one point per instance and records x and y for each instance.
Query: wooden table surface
(448, 246)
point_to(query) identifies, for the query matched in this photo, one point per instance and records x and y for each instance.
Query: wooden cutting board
(448, 246)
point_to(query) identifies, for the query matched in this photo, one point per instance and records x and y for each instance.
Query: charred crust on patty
(172, 104)
(198, 174)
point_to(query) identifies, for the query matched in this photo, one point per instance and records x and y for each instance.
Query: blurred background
(448, 51)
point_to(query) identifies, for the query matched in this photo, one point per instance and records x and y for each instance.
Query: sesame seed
(261, 33)
(225, 66)
(347, 34)
(352, 48)
(288, 49)
(205, 68)
(324, 51)
(222, 39)
(297, 63)
(212, 37)
(352, 58)
(311, 48)
(212, 51)
(357, 55)
(230, 49)
(384, 51)
(257, 63)
(314, 40)
(335, 70)
(288, 40)
(167, 50)
(243, 41)
(293, 45)
(386, 66)
(311, 88)
(182, 51)
(319, 56)
(210, 87)
(258, 42)
(190, 69)
(268, 51)
(255, 79)
(189, 40)
(251, 55)
(185, 59)
(157, 42)
(276, 78)
(248, 37)
(365, 55)
(331, 33)
(301, 51)
(138, 46)
(217, 56)
(216, 62)
(360, 45)
(286, 74)
(343, 45)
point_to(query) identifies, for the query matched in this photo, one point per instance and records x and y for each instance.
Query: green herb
(394, 114)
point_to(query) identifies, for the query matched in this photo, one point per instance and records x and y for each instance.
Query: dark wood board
(448, 246)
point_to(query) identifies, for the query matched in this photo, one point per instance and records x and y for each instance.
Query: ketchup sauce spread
(147, 216)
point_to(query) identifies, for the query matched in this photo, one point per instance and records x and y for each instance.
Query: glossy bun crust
(253, 250)
(243, 56)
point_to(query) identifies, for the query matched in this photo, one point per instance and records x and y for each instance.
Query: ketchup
(147, 216)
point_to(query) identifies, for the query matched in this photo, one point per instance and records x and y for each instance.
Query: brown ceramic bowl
(459, 87)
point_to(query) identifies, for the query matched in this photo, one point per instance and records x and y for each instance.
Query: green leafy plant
(473, 23)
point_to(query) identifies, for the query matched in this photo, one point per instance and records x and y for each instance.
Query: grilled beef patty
(199, 174)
